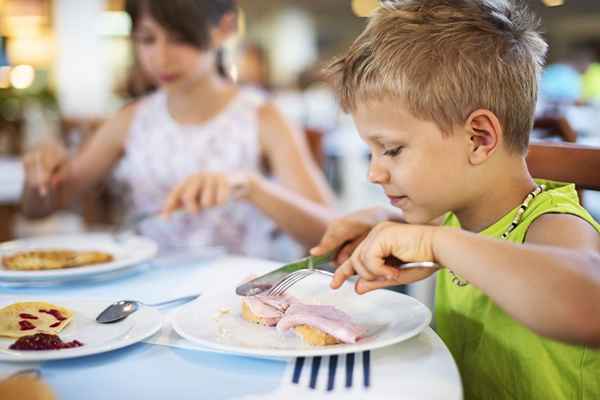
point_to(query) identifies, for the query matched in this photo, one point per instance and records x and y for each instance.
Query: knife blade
(266, 281)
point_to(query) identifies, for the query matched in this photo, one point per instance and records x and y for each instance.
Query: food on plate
(265, 310)
(31, 317)
(25, 386)
(43, 341)
(35, 260)
(320, 325)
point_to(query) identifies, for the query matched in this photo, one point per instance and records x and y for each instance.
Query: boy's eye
(144, 39)
(392, 152)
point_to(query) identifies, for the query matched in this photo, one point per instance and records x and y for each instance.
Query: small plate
(215, 321)
(127, 252)
(96, 338)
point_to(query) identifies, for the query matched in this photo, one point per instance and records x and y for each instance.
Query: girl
(195, 140)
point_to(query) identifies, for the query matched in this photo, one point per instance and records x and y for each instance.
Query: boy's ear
(227, 26)
(484, 135)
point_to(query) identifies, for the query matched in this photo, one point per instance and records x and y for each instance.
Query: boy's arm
(551, 284)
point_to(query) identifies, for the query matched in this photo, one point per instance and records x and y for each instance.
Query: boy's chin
(417, 217)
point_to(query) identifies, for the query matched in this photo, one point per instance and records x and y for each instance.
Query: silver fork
(290, 280)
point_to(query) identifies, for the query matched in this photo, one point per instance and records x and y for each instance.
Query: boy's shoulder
(557, 203)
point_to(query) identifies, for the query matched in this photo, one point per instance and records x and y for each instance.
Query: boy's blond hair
(446, 59)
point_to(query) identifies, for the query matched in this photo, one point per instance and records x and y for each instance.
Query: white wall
(83, 76)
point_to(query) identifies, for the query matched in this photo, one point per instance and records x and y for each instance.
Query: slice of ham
(269, 308)
(326, 318)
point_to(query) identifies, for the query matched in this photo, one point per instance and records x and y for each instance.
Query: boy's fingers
(360, 267)
(327, 244)
(347, 249)
(342, 273)
(363, 286)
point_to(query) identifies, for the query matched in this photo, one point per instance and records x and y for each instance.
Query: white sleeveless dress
(160, 153)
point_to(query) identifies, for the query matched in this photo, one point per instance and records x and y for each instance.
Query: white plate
(389, 317)
(127, 252)
(97, 338)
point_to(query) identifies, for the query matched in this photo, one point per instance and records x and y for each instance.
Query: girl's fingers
(223, 192)
(173, 201)
(190, 195)
(210, 192)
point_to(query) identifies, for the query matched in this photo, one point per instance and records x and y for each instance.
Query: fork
(290, 280)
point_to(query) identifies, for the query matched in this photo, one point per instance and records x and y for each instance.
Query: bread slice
(315, 336)
(248, 315)
(309, 334)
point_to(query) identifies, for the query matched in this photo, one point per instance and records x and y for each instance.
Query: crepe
(28, 318)
(53, 259)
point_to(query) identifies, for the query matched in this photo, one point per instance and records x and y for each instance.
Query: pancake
(36, 260)
(28, 318)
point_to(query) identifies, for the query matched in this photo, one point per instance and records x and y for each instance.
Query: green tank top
(498, 357)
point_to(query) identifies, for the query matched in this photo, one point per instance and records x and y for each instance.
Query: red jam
(54, 325)
(54, 313)
(27, 316)
(43, 341)
(26, 325)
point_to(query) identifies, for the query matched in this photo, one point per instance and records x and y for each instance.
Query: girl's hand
(206, 190)
(388, 239)
(45, 166)
(347, 232)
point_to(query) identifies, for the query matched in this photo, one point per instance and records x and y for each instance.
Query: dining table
(165, 365)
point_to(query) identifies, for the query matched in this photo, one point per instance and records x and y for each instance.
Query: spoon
(122, 309)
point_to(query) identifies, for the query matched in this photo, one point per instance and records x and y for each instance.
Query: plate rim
(152, 317)
(291, 353)
(9, 276)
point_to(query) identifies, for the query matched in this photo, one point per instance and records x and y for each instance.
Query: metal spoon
(122, 309)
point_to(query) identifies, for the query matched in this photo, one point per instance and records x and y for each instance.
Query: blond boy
(443, 92)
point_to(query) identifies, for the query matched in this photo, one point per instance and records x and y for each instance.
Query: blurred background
(63, 63)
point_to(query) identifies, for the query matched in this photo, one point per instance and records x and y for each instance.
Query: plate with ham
(309, 320)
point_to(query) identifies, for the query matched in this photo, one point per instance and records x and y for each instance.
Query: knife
(265, 282)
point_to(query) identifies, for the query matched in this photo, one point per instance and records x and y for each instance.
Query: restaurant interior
(63, 72)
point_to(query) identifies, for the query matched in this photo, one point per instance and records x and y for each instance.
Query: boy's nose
(377, 174)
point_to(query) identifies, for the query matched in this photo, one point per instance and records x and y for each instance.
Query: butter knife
(265, 282)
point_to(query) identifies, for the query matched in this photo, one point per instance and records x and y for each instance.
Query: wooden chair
(565, 162)
(556, 126)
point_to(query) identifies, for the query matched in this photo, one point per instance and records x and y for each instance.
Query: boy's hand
(347, 232)
(206, 190)
(45, 166)
(388, 239)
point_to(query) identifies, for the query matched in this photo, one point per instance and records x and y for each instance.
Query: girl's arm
(300, 201)
(54, 181)
(551, 284)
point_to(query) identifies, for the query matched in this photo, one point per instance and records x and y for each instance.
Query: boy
(443, 92)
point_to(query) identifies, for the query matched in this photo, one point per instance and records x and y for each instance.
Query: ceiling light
(364, 8)
(22, 76)
(553, 3)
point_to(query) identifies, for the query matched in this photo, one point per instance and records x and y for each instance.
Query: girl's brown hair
(190, 20)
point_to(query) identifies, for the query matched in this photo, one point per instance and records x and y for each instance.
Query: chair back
(565, 162)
